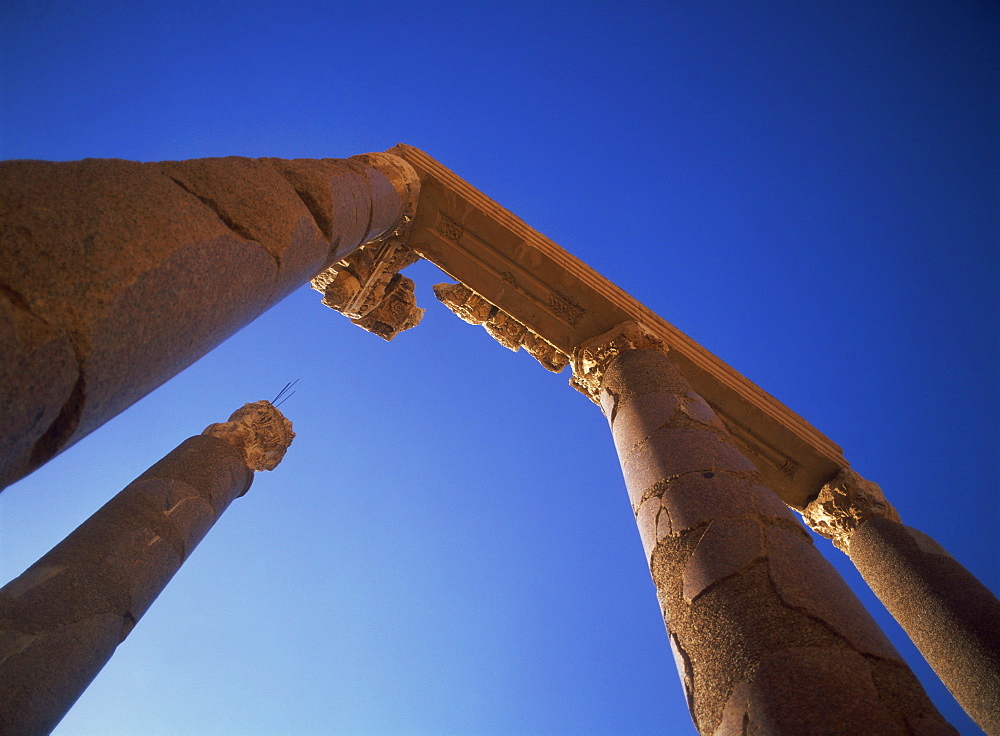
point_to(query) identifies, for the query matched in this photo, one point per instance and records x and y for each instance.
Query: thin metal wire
(282, 392)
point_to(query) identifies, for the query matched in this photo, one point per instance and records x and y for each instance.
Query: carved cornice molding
(844, 504)
(474, 309)
(592, 358)
(258, 431)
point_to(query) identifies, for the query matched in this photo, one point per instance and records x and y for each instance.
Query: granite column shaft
(61, 620)
(952, 618)
(116, 275)
(766, 636)
(948, 613)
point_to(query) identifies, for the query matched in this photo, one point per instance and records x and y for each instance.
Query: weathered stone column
(766, 636)
(61, 619)
(952, 617)
(116, 275)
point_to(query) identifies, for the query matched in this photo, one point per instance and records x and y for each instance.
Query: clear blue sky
(808, 189)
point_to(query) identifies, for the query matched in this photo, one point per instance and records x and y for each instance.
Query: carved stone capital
(593, 357)
(395, 312)
(476, 310)
(258, 431)
(844, 504)
(368, 288)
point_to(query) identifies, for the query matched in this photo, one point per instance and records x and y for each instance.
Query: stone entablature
(546, 300)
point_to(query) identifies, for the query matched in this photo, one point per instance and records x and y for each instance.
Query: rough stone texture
(843, 504)
(400, 174)
(952, 618)
(638, 419)
(258, 431)
(254, 200)
(766, 636)
(61, 620)
(806, 690)
(38, 374)
(115, 275)
(726, 547)
(805, 581)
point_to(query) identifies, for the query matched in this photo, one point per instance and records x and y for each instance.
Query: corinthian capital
(368, 288)
(844, 504)
(593, 357)
(258, 431)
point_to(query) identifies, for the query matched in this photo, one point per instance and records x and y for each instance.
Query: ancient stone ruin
(116, 275)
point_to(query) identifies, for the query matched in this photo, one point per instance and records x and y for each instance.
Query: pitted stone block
(813, 691)
(726, 547)
(673, 451)
(696, 499)
(646, 520)
(803, 580)
(699, 410)
(769, 505)
(639, 418)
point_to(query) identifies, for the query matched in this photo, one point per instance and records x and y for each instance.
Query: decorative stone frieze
(258, 431)
(369, 290)
(476, 310)
(593, 357)
(844, 504)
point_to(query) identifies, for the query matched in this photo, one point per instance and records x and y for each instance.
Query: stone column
(952, 617)
(116, 275)
(766, 636)
(61, 620)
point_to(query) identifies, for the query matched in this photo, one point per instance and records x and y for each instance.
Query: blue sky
(808, 189)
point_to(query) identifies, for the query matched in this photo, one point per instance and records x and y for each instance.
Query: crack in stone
(640, 443)
(319, 217)
(50, 442)
(220, 213)
(686, 672)
(45, 632)
(19, 301)
(787, 524)
(371, 213)
(659, 487)
(678, 419)
(128, 623)
(615, 397)
(761, 555)
(802, 611)
(64, 425)
(21, 642)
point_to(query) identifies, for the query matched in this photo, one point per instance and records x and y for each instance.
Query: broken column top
(258, 431)
(845, 503)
